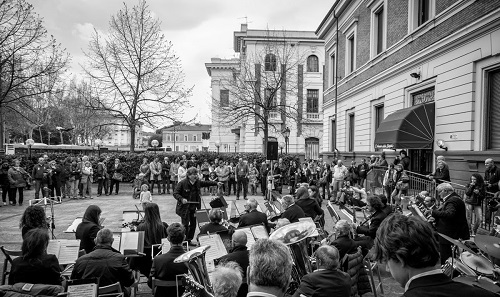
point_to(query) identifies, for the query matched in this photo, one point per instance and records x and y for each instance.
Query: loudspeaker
(272, 150)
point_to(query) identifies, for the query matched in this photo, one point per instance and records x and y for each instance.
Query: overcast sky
(199, 29)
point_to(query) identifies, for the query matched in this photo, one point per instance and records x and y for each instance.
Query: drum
(457, 268)
(479, 264)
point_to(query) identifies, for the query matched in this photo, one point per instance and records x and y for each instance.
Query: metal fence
(419, 183)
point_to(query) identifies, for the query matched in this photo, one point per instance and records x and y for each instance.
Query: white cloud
(83, 31)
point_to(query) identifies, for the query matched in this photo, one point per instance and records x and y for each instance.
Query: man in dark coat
(253, 216)
(104, 263)
(292, 212)
(327, 280)
(187, 194)
(164, 268)
(239, 254)
(408, 245)
(450, 219)
(491, 176)
(343, 241)
(375, 205)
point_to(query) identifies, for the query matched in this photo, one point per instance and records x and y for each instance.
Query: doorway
(421, 161)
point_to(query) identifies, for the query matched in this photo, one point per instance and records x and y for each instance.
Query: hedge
(132, 161)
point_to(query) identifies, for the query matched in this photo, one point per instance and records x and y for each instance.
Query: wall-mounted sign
(453, 136)
(384, 146)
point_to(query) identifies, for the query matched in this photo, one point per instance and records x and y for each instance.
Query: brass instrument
(418, 209)
(195, 262)
(294, 236)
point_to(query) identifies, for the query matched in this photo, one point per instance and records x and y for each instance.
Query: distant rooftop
(195, 127)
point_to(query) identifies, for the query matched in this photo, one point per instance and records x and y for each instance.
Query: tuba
(294, 235)
(195, 262)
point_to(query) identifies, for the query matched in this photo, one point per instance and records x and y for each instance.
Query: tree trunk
(40, 132)
(132, 137)
(2, 126)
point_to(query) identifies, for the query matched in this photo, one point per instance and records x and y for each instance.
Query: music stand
(202, 217)
(47, 202)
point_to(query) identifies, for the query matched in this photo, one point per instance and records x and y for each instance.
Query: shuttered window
(493, 112)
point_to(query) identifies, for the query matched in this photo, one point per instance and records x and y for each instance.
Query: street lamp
(30, 142)
(217, 144)
(286, 134)
(155, 143)
(98, 142)
(282, 145)
(48, 142)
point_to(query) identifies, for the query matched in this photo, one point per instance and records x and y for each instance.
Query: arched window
(270, 62)
(312, 148)
(312, 64)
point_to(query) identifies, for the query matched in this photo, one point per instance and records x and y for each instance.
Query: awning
(409, 128)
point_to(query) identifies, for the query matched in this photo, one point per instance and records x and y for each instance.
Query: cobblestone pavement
(112, 207)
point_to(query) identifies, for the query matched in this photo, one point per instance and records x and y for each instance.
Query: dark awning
(409, 128)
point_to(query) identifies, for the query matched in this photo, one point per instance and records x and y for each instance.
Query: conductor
(187, 194)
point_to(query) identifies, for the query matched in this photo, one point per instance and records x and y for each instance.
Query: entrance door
(312, 148)
(421, 161)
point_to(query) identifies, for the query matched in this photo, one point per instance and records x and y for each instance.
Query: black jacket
(451, 219)
(164, 268)
(325, 283)
(36, 271)
(293, 213)
(443, 286)
(254, 217)
(191, 192)
(375, 221)
(87, 232)
(105, 263)
(310, 207)
(211, 228)
(493, 177)
(345, 245)
(240, 255)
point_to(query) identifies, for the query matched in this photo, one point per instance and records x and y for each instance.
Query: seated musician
(292, 212)
(309, 205)
(430, 203)
(327, 280)
(35, 266)
(214, 226)
(88, 228)
(253, 216)
(104, 263)
(302, 191)
(378, 215)
(164, 268)
(408, 247)
(360, 198)
(341, 238)
(227, 280)
(239, 254)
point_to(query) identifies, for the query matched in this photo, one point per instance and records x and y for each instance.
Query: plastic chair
(8, 259)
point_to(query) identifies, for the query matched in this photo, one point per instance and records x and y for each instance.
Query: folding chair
(369, 267)
(8, 260)
(202, 217)
(333, 213)
(113, 288)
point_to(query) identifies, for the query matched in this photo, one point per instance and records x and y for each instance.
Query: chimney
(244, 27)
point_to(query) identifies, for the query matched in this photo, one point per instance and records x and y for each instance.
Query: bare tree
(27, 54)
(136, 73)
(263, 89)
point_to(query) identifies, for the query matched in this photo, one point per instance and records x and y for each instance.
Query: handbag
(117, 176)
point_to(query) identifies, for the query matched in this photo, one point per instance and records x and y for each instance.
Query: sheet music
(74, 225)
(165, 245)
(54, 247)
(130, 242)
(259, 232)
(116, 241)
(68, 254)
(86, 290)
(216, 250)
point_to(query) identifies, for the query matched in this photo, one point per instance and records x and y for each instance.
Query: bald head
(327, 257)
(240, 238)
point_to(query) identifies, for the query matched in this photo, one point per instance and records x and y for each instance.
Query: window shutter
(493, 119)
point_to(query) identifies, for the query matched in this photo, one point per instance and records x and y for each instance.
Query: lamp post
(282, 145)
(60, 129)
(30, 142)
(217, 144)
(98, 142)
(48, 141)
(155, 143)
(235, 145)
(286, 134)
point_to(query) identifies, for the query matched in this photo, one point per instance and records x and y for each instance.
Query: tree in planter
(134, 69)
(263, 90)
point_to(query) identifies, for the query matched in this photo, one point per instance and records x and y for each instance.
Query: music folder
(130, 244)
(66, 250)
(253, 233)
(216, 250)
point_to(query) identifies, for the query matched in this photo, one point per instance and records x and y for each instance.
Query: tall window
(270, 62)
(268, 93)
(312, 101)
(423, 11)
(351, 53)
(379, 115)
(195, 138)
(224, 98)
(333, 69)
(493, 111)
(334, 135)
(169, 138)
(176, 137)
(350, 140)
(185, 138)
(378, 28)
(312, 64)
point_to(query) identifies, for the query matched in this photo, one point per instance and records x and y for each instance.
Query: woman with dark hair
(35, 266)
(154, 230)
(310, 204)
(475, 193)
(88, 228)
(33, 217)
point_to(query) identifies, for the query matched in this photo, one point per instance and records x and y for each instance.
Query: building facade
(420, 75)
(262, 55)
(119, 135)
(186, 138)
